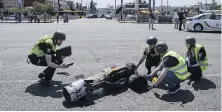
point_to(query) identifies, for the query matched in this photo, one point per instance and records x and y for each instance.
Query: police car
(206, 21)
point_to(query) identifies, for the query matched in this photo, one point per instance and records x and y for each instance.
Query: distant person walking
(185, 15)
(57, 16)
(151, 20)
(176, 19)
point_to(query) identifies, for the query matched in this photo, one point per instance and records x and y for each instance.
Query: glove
(64, 66)
(148, 76)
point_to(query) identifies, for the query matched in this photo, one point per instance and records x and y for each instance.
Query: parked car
(11, 17)
(130, 17)
(101, 16)
(91, 16)
(108, 17)
(206, 22)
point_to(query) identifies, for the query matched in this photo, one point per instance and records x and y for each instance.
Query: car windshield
(200, 16)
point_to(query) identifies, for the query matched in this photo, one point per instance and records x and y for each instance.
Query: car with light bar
(204, 22)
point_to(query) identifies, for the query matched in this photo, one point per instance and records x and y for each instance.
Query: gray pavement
(97, 43)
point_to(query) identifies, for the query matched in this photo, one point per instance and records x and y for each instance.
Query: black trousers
(180, 25)
(41, 61)
(150, 62)
(196, 73)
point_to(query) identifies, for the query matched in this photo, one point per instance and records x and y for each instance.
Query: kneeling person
(43, 54)
(196, 58)
(152, 58)
(173, 68)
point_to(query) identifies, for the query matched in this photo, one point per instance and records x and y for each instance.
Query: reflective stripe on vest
(180, 69)
(203, 63)
(45, 39)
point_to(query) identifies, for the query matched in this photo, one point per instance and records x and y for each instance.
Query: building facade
(28, 3)
(55, 3)
(10, 3)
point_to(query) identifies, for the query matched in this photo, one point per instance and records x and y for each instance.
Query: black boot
(41, 75)
(44, 82)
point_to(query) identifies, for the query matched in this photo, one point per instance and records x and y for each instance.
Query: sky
(105, 3)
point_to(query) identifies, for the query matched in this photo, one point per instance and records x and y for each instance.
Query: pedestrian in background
(185, 15)
(151, 20)
(181, 17)
(57, 16)
(176, 19)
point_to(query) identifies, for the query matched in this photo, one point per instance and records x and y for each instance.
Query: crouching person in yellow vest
(43, 54)
(173, 69)
(196, 59)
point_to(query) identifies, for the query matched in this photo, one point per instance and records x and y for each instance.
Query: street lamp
(19, 10)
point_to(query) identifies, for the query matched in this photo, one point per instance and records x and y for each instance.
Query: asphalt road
(97, 43)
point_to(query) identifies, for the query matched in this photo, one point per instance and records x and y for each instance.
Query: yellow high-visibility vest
(45, 39)
(180, 70)
(203, 63)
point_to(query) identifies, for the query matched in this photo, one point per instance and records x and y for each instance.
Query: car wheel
(198, 27)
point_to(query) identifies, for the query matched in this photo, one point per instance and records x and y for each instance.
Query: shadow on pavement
(203, 84)
(183, 96)
(84, 103)
(54, 91)
(215, 32)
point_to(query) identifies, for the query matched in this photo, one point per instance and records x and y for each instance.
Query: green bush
(49, 9)
(39, 8)
(12, 10)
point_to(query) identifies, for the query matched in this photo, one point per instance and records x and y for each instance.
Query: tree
(92, 7)
(71, 5)
(12, 10)
(77, 5)
(49, 9)
(39, 8)
(218, 7)
(1, 4)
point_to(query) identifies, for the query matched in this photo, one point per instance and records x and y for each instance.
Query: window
(218, 17)
(205, 16)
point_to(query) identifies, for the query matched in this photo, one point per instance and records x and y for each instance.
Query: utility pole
(59, 5)
(162, 6)
(81, 5)
(115, 4)
(122, 10)
(154, 5)
(149, 5)
(19, 10)
(206, 6)
(167, 6)
(161, 3)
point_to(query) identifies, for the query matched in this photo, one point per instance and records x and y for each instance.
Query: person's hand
(64, 66)
(63, 57)
(154, 85)
(148, 76)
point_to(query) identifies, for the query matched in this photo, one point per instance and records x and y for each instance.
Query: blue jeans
(176, 23)
(171, 80)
